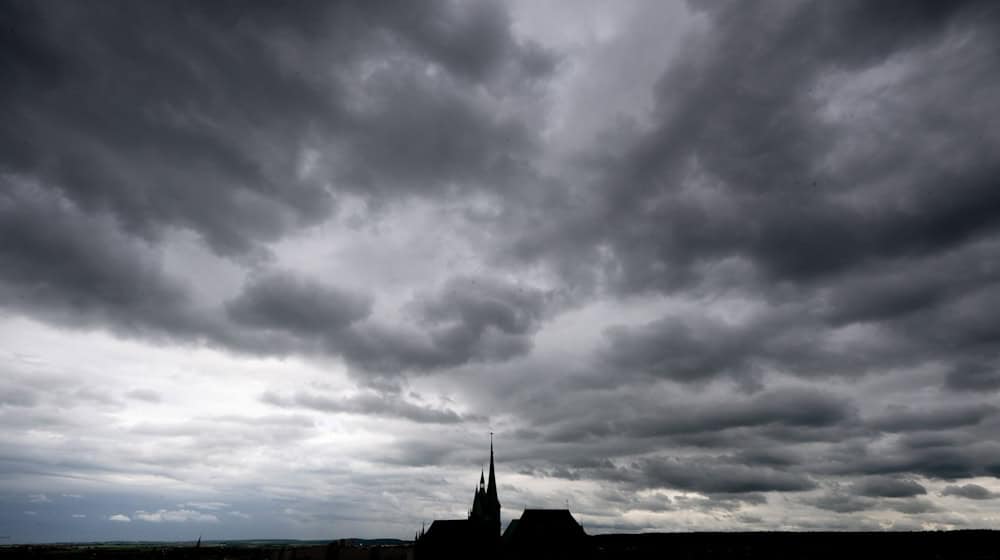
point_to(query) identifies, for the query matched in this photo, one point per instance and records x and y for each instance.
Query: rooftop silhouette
(539, 533)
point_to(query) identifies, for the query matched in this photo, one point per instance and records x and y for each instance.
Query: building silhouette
(538, 534)
(477, 536)
(486, 502)
(546, 534)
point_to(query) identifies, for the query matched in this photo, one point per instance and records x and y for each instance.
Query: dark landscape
(971, 545)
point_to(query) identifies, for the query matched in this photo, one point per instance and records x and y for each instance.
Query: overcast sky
(277, 269)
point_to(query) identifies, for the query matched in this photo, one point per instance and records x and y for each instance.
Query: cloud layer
(295, 264)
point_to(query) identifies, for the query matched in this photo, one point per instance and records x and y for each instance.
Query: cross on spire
(486, 503)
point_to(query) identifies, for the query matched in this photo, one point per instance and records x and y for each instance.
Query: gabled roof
(538, 526)
(442, 527)
(457, 538)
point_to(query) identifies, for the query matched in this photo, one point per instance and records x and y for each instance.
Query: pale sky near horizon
(277, 269)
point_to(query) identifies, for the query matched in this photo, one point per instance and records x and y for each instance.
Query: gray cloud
(786, 408)
(146, 395)
(912, 506)
(715, 477)
(230, 101)
(481, 302)
(472, 40)
(79, 268)
(484, 316)
(970, 491)
(903, 420)
(284, 302)
(680, 349)
(840, 502)
(948, 460)
(709, 476)
(468, 319)
(19, 397)
(974, 375)
(373, 403)
(886, 487)
(147, 162)
(766, 278)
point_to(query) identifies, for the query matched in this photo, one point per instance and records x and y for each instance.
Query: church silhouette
(539, 533)
(486, 503)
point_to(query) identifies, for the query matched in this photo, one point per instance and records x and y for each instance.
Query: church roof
(537, 526)
(453, 532)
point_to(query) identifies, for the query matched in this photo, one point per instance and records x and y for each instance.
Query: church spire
(485, 503)
(491, 490)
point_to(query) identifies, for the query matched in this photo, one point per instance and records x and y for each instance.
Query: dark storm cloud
(484, 302)
(707, 476)
(471, 39)
(840, 502)
(284, 302)
(888, 487)
(141, 150)
(484, 316)
(63, 264)
(900, 288)
(955, 457)
(777, 457)
(195, 116)
(756, 135)
(468, 319)
(760, 176)
(791, 408)
(739, 476)
(970, 491)
(691, 348)
(683, 349)
(712, 476)
(905, 420)
(137, 116)
(974, 375)
(242, 125)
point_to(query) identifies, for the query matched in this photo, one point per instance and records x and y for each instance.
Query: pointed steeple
(491, 490)
(485, 503)
(477, 504)
(491, 502)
